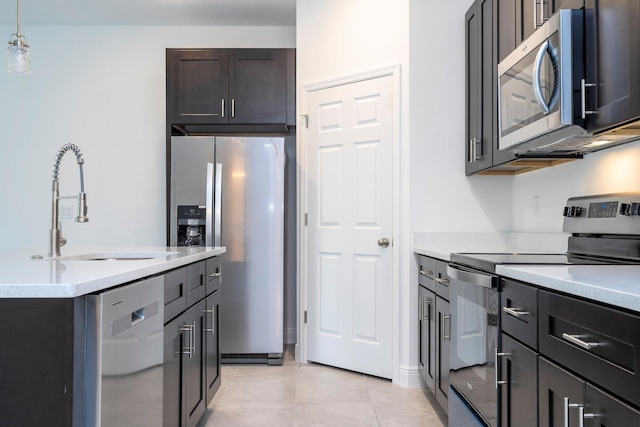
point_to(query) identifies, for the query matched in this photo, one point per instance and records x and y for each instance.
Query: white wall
(442, 197)
(614, 170)
(102, 88)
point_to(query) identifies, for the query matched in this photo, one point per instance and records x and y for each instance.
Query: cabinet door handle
(223, 108)
(446, 335)
(193, 339)
(515, 312)
(214, 275)
(568, 406)
(538, 21)
(426, 311)
(427, 273)
(575, 339)
(188, 347)
(495, 365)
(472, 150)
(233, 108)
(582, 416)
(583, 97)
(211, 311)
(442, 281)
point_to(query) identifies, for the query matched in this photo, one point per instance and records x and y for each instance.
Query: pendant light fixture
(18, 54)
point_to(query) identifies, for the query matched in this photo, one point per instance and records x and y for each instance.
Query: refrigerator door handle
(209, 198)
(218, 206)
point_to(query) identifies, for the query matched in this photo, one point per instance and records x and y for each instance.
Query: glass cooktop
(488, 261)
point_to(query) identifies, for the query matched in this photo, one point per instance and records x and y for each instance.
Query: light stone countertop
(23, 277)
(617, 285)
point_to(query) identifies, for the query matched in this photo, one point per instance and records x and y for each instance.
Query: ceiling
(150, 12)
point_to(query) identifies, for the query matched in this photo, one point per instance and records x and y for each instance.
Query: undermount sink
(114, 256)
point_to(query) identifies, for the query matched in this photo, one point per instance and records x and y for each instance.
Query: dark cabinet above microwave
(612, 86)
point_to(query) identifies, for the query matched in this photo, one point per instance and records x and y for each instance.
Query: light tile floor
(300, 395)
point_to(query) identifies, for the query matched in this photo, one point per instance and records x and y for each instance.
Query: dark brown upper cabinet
(230, 86)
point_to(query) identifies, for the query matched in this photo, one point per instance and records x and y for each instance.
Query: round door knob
(384, 242)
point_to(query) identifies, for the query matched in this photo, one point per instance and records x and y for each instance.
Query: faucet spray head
(82, 208)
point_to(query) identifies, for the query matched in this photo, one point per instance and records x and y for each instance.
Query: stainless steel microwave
(541, 88)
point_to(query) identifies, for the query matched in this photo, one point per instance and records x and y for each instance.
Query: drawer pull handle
(442, 281)
(515, 312)
(575, 339)
(427, 273)
(214, 275)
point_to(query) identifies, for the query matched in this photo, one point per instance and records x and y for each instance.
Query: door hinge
(306, 219)
(305, 316)
(305, 120)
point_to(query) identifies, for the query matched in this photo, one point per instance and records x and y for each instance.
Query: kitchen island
(51, 328)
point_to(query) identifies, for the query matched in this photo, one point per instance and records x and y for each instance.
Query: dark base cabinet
(212, 345)
(565, 395)
(433, 309)
(520, 391)
(37, 362)
(191, 348)
(426, 327)
(442, 352)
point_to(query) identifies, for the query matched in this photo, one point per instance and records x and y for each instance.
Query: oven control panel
(603, 214)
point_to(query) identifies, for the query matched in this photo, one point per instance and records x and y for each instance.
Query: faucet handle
(82, 208)
(62, 239)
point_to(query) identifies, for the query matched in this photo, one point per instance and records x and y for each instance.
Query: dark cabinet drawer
(214, 275)
(602, 344)
(427, 272)
(175, 293)
(442, 280)
(195, 282)
(519, 312)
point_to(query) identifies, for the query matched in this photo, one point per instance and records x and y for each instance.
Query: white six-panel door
(350, 160)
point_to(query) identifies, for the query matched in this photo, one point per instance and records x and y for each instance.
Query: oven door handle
(474, 278)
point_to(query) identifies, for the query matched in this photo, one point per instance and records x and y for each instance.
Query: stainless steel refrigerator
(229, 191)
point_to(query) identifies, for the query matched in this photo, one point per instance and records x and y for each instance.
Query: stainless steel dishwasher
(124, 355)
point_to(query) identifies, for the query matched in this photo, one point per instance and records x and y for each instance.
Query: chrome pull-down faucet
(55, 236)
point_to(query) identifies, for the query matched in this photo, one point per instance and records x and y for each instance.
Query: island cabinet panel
(175, 293)
(196, 283)
(192, 368)
(184, 388)
(212, 345)
(36, 362)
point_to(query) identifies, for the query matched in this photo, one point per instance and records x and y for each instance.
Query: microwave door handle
(209, 206)
(537, 70)
(218, 206)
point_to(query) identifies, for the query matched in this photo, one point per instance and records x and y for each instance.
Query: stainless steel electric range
(604, 229)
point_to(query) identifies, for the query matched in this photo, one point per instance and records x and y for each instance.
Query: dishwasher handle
(472, 277)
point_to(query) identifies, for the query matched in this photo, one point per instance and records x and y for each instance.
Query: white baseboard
(409, 376)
